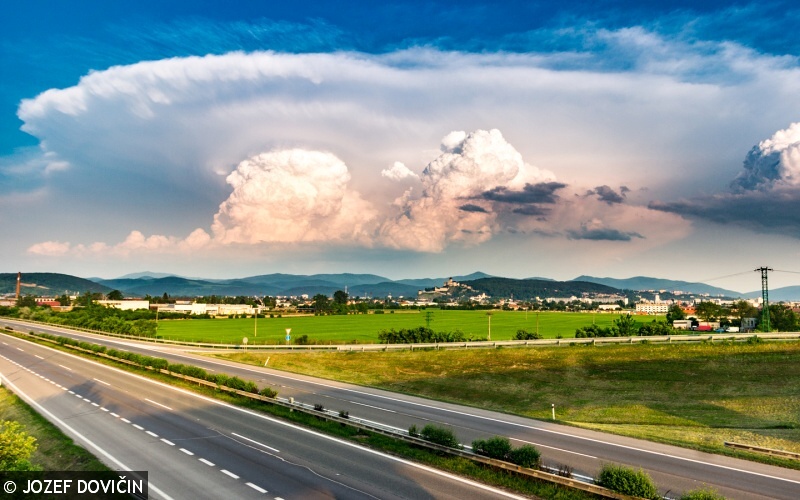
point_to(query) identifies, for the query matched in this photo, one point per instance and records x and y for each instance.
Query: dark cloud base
(773, 212)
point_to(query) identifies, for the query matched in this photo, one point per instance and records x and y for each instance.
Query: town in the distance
(685, 305)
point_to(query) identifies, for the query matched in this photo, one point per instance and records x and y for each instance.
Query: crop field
(697, 395)
(364, 328)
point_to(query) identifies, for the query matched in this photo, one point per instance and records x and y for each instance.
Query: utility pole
(764, 298)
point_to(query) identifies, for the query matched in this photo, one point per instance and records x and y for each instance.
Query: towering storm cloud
(293, 196)
(451, 207)
(764, 197)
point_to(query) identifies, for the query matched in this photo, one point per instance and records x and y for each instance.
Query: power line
(782, 271)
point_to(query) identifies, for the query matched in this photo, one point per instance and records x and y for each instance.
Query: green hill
(48, 284)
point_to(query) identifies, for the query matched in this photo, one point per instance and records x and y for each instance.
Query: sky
(405, 139)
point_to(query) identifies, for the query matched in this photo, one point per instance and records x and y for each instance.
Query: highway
(194, 447)
(674, 469)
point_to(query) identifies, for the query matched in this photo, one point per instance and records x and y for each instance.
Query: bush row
(421, 335)
(162, 364)
(500, 448)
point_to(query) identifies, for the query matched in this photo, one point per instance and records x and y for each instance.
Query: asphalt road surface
(196, 448)
(674, 469)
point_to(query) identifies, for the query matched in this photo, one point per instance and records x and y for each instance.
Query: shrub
(268, 392)
(440, 436)
(196, 372)
(319, 407)
(413, 431)
(236, 383)
(177, 368)
(627, 481)
(497, 447)
(16, 447)
(344, 414)
(526, 456)
(526, 335)
(702, 494)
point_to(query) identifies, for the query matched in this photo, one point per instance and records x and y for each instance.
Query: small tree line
(625, 326)
(422, 335)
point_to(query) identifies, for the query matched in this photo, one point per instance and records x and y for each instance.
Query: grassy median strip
(55, 451)
(696, 396)
(458, 465)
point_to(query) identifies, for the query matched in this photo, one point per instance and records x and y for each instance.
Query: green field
(364, 328)
(691, 395)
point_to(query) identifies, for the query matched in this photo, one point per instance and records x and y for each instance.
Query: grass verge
(696, 396)
(55, 451)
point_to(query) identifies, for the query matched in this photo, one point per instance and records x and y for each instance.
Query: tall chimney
(19, 279)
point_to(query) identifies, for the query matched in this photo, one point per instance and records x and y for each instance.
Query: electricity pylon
(765, 298)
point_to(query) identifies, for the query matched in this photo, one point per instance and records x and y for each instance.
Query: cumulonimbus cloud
(293, 196)
(477, 187)
(764, 196)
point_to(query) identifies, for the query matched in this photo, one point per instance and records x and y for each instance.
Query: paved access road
(198, 448)
(674, 469)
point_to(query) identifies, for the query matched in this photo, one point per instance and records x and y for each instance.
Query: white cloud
(293, 196)
(154, 143)
(399, 172)
(50, 248)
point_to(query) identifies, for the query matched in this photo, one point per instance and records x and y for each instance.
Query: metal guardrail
(767, 451)
(386, 430)
(660, 339)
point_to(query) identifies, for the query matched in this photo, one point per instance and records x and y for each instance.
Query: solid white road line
(159, 404)
(256, 442)
(80, 436)
(102, 381)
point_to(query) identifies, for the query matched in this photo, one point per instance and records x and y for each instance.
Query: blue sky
(405, 139)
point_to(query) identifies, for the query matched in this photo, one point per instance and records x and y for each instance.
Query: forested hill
(531, 288)
(48, 284)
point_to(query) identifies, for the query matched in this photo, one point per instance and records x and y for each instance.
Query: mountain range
(370, 285)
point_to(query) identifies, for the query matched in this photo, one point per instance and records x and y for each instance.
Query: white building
(652, 308)
(125, 305)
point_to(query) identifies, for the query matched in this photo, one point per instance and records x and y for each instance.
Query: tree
(340, 297)
(321, 303)
(64, 300)
(707, 310)
(26, 300)
(624, 326)
(16, 447)
(743, 309)
(675, 313)
(115, 295)
(782, 318)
